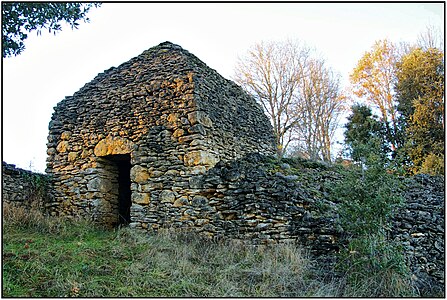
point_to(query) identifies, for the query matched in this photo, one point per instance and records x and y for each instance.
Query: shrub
(373, 265)
(367, 199)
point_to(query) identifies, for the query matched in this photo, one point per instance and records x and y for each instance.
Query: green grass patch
(61, 258)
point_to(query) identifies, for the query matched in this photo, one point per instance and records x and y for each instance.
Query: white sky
(55, 66)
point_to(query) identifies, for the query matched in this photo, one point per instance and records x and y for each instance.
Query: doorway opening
(122, 165)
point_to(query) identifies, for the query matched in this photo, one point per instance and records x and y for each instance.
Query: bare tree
(432, 37)
(272, 73)
(318, 110)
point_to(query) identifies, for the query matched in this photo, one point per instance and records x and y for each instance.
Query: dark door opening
(122, 162)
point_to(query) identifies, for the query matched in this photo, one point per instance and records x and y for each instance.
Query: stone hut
(123, 149)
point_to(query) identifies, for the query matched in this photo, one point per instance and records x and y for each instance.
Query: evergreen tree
(364, 133)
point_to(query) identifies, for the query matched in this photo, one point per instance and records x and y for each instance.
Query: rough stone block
(181, 201)
(201, 222)
(139, 174)
(199, 201)
(151, 186)
(197, 170)
(98, 184)
(72, 156)
(51, 151)
(189, 138)
(167, 196)
(173, 118)
(62, 147)
(199, 117)
(178, 133)
(113, 145)
(199, 157)
(65, 136)
(196, 182)
(198, 128)
(141, 198)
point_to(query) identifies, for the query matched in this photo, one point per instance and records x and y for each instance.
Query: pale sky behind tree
(55, 66)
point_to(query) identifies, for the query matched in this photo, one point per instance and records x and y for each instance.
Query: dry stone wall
(24, 188)
(243, 199)
(420, 227)
(253, 199)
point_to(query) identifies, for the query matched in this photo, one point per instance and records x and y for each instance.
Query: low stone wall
(420, 227)
(247, 199)
(257, 200)
(254, 199)
(24, 188)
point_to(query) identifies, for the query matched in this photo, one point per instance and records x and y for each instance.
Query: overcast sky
(55, 66)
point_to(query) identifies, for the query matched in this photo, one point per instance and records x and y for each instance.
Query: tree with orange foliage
(373, 79)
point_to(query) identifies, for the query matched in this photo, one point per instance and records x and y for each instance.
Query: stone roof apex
(169, 45)
(165, 47)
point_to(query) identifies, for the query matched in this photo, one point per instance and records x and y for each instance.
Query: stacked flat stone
(420, 227)
(171, 113)
(24, 188)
